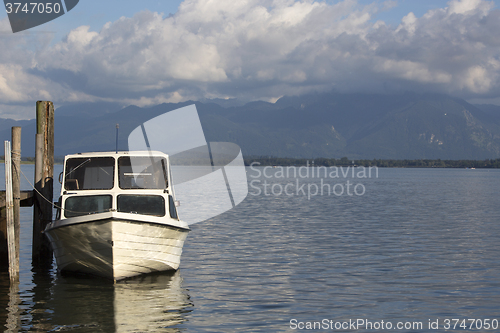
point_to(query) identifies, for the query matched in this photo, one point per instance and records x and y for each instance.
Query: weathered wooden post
(9, 206)
(44, 178)
(16, 184)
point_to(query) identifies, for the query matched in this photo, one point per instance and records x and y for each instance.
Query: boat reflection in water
(148, 303)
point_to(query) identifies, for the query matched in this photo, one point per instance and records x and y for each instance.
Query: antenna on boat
(117, 126)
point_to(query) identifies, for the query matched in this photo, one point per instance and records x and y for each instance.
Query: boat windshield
(87, 204)
(141, 204)
(142, 172)
(89, 173)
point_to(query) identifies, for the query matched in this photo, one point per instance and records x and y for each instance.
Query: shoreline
(381, 163)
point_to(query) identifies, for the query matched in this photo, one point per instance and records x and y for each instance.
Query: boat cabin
(127, 182)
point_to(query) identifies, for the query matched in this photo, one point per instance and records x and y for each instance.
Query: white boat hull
(117, 248)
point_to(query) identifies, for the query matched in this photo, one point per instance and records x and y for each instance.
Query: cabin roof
(118, 154)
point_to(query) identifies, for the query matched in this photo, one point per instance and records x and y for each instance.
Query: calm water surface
(418, 245)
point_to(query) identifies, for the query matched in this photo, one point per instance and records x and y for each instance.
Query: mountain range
(332, 125)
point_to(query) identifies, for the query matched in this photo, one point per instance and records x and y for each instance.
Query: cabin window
(142, 204)
(92, 173)
(171, 207)
(142, 172)
(87, 204)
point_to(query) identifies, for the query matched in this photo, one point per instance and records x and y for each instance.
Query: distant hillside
(405, 126)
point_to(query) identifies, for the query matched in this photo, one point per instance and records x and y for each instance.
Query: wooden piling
(19, 199)
(9, 207)
(16, 184)
(37, 225)
(44, 178)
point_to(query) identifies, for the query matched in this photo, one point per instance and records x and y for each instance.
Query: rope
(53, 204)
(16, 152)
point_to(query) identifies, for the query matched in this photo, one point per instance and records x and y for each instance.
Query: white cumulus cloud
(260, 49)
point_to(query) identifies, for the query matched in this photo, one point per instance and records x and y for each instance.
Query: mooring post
(44, 177)
(9, 206)
(16, 184)
(37, 227)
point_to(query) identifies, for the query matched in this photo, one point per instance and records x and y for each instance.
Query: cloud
(260, 49)
(467, 6)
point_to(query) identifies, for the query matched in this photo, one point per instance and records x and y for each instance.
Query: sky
(149, 52)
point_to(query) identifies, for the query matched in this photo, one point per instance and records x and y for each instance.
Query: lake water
(411, 247)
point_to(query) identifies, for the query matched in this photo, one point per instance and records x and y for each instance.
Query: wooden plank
(26, 198)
